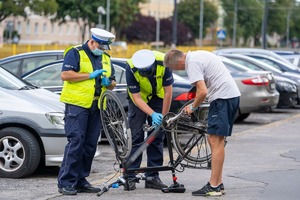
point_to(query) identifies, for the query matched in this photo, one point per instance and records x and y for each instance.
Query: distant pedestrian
(212, 80)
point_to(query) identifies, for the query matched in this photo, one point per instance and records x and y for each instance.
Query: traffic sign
(221, 34)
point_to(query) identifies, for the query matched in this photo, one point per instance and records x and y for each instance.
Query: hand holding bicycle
(156, 119)
(105, 81)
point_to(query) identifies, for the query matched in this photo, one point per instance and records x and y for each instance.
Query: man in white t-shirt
(212, 80)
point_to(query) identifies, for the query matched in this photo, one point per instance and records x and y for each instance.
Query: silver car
(31, 127)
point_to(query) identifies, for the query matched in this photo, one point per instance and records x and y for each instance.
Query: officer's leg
(90, 143)
(75, 127)
(136, 119)
(155, 149)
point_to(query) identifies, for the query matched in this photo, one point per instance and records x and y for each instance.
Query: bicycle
(187, 133)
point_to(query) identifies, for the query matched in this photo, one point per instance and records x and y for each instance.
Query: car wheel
(241, 117)
(19, 153)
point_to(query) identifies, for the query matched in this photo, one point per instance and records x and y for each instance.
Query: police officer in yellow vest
(150, 93)
(87, 72)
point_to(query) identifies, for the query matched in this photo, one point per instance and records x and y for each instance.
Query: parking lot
(42, 184)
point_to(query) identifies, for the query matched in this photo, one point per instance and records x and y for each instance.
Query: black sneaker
(207, 190)
(87, 188)
(154, 183)
(222, 189)
(130, 186)
(68, 190)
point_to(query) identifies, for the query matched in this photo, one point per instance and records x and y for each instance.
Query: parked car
(292, 56)
(48, 77)
(282, 66)
(31, 127)
(25, 62)
(257, 89)
(250, 51)
(285, 87)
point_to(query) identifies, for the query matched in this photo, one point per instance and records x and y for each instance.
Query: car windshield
(11, 82)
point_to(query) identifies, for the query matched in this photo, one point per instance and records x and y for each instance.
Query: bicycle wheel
(189, 142)
(115, 124)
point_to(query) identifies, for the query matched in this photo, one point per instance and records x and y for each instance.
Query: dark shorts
(221, 116)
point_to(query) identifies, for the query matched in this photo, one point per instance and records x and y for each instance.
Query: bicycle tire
(115, 124)
(200, 152)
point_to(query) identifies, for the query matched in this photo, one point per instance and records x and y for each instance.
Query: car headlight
(56, 118)
(287, 87)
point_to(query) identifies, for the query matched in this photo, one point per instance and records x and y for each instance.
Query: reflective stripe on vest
(145, 84)
(82, 93)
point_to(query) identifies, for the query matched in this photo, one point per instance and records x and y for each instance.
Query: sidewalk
(261, 163)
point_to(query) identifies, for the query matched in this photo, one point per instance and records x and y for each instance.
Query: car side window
(120, 75)
(13, 66)
(48, 76)
(35, 62)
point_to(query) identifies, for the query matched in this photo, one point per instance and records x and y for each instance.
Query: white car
(31, 127)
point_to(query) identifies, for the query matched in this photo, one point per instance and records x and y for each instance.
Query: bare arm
(167, 99)
(200, 96)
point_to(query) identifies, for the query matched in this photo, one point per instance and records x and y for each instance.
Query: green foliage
(249, 18)
(189, 14)
(16, 7)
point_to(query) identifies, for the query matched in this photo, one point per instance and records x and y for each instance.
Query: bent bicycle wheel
(189, 142)
(115, 124)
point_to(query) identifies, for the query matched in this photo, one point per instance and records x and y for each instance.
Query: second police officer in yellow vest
(83, 73)
(150, 93)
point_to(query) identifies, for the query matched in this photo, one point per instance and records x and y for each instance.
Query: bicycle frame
(167, 123)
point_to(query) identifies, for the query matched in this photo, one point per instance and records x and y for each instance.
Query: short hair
(172, 57)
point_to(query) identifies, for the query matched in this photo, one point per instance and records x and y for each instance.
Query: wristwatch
(192, 108)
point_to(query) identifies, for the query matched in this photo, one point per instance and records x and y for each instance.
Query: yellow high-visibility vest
(82, 93)
(146, 89)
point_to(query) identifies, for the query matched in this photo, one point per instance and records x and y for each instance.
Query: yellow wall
(9, 50)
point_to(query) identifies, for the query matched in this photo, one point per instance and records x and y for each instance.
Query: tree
(143, 29)
(121, 12)
(188, 13)
(16, 7)
(249, 18)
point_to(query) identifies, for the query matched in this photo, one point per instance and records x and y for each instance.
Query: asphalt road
(257, 166)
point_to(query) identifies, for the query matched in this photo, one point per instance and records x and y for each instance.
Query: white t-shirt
(204, 65)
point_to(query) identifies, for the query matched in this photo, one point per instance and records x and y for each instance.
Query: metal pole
(174, 38)
(107, 15)
(201, 23)
(288, 28)
(234, 23)
(265, 25)
(157, 26)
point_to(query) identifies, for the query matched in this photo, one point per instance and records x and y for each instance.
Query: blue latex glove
(105, 81)
(97, 73)
(156, 118)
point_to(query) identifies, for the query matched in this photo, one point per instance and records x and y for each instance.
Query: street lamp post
(174, 35)
(201, 23)
(107, 15)
(234, 23)
(101, 12)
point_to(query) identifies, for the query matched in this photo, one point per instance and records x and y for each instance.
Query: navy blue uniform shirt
(134, 86)
(72, 59)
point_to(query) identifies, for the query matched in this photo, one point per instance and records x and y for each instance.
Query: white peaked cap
(143, 58)
(102, 36)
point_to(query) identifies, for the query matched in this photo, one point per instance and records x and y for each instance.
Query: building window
(19, 27)
(52, 27)
(68, 29)
(28, 29)
(36, 28)
(45, 27)
(75, 30)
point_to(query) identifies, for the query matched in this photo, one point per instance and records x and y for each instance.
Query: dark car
(48, 77)
(25, 62)
(288, 84)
